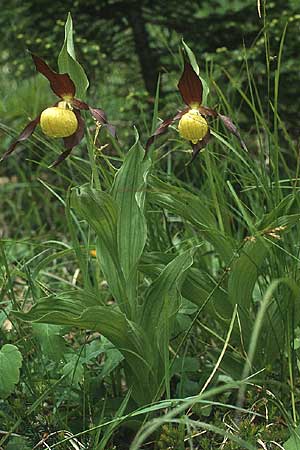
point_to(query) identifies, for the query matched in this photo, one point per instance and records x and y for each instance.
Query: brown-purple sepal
(61, 158)
(79, 104)
(233, 129)
(190, 86)
(61, 84)
(163, 127)
(205, 111)
(25, 134)
(200, 145)
(100, 116)
(76, 138)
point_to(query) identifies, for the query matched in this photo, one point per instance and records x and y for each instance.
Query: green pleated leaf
(129, 192)
(100, 210)
(244, 272)
(164, 292)
(127, 337)
(51, 341)
(293, 443)
(270, 219)
(73, 370)
(192, 208)
(197, 285)
(18, 443)
(67, 62)
(160, 309)
(10, 364)
(283, 308)
(241, 282)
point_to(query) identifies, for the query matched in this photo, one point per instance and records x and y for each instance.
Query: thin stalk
(213, 190)
(95, 174)
(290, 351)
(276, 137)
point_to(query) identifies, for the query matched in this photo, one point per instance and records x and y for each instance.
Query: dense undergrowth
(147, 302)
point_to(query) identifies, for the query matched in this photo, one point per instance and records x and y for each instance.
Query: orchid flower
(193, 125)
(63, 119)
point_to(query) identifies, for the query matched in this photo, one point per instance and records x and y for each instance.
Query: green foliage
(196, 279)
(67, 62)
(18, 443)
(293, 443)
(10, 364)
(51, 341)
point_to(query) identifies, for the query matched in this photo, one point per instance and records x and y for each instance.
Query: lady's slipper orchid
(192, 119)
(63, 119)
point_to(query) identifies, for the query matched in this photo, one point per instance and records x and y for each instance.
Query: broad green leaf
(10, 364)
(242, 279)
(74, 370)
(270, 219)
(129, 193)
(163, 293)
(283, 309)
(191, 56)
(244, 272)
(67, 62)
(100, 210)
(193, 209)
(112, 359)
(185, 364)
(51, 341)
(293, 443)
(127, 337)
(18, 443)
(197, 286)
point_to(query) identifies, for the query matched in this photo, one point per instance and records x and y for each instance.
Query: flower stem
(95, 174)
(213, 190)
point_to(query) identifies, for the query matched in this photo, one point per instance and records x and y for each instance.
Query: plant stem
(213, 188)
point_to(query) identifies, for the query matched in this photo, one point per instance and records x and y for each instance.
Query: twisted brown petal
(233, 129)
(61, 84)
(61, 158)
(163, 127)
(205, 111)
(25, 134)
(79, 104)
(200, 145)
(190, 86)
(100, 116)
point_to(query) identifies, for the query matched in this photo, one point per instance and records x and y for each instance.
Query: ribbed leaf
(191, 208)
(100, 211)
(128, 338)
(197, 286)
(129, 193)
(284, 308)
(67, 62)
(50, 339)
(245, 271)
(164, 292)
(10, 364)
(242, 279)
